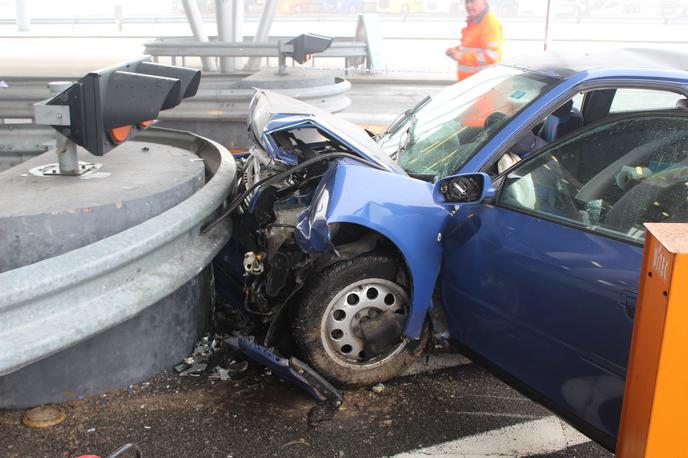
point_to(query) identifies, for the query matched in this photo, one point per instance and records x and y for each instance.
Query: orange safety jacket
(481, 44)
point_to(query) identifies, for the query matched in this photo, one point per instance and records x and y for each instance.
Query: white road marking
(545, 435)
(495, 414)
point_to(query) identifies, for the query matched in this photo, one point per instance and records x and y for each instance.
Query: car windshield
(443, 133)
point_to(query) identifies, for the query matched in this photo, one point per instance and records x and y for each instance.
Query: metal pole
(193, 14)
(548, 19)
(263, 32)
(237, 21)
(22, 13)
(223, 12)
(67, 158)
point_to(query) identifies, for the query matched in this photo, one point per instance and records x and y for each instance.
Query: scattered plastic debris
(250, 388)
(195, 370)
(214, 357)
(321, 412)
(91, 430)
(379, 388)
(237, 367)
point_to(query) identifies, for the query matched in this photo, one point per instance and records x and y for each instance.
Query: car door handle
(629, 301)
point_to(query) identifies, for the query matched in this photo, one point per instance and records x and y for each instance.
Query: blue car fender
(397, 206)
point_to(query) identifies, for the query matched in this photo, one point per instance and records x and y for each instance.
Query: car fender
(399, 207)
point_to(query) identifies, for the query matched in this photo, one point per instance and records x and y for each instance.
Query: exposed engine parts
(253, 263)
(273, 193)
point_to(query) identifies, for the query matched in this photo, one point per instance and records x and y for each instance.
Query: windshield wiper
(403, 117)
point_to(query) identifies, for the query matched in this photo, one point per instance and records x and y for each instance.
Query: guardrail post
(655, 397)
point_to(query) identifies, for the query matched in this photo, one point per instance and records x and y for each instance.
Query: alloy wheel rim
(340, 329)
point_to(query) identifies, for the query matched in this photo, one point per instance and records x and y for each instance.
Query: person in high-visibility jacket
(481, 40)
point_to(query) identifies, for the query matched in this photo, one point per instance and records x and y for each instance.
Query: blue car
(508, 208)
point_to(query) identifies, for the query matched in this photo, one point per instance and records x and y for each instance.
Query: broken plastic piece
(291, 370)
(182, 367)
(236, 367)
(195, 370)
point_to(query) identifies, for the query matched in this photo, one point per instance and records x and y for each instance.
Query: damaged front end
(316, 192)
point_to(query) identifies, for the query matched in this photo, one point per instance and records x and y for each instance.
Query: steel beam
(193, 14)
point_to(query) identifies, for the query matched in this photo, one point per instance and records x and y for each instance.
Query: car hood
(270, 112)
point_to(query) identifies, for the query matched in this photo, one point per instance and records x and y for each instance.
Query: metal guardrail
(53, 304)
(182, 48)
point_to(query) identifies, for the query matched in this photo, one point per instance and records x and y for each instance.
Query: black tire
(309, 322)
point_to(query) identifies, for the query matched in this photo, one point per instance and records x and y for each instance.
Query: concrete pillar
(263, 32)
(193, 15)
(237, 24)
(23, 18)
(237, 21)
(223, 15)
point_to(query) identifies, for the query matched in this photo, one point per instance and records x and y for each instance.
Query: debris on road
(195, 370)
(212, 356)
(321, 412)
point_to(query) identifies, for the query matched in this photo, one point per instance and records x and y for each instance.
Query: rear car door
(541, 283)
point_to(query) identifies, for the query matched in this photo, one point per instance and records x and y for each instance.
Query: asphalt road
(457, 411)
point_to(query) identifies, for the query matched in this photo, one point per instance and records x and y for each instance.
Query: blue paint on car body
(399, 207)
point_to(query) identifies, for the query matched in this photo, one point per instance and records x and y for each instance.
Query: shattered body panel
(399, 207)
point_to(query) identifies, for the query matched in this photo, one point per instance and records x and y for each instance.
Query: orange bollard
(656, 393)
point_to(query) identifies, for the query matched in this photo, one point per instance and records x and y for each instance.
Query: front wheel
(349, 323)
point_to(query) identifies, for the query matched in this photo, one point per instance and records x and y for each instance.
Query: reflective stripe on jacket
(481, 44)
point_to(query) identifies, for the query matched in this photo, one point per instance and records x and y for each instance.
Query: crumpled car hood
(270, 112)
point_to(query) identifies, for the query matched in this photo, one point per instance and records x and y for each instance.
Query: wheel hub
(363, 300)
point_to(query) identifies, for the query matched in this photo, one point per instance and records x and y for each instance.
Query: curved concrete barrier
(56, 303)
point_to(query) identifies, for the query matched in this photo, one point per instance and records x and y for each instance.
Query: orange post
(653, 417)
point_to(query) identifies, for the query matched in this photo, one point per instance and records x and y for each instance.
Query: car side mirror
(465, 188)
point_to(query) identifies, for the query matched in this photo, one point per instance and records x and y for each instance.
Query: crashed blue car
(508, 208)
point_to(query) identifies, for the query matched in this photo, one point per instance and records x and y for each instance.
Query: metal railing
(53, 304)
(356, 53)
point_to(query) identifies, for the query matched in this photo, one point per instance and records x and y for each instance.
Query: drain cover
(43, 417)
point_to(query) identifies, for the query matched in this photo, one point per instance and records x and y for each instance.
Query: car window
(628, 100)
(610, 179)
(448, 130)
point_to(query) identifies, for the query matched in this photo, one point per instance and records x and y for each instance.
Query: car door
(541, 283)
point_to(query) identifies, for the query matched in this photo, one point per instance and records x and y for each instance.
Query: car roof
(564, 65)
